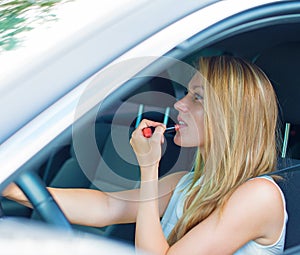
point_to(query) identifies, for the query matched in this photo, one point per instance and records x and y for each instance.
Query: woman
(224, 206)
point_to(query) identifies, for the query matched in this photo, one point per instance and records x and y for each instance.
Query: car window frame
(8, 149)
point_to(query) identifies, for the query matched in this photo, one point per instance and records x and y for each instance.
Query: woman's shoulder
(262, 201)
(261, 190)
(259, 199)
(255, 210)
(264, 187)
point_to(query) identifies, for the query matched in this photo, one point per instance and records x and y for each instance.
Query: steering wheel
(41, 200)
(1, 210)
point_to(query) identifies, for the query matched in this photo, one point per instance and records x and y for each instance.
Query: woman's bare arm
(95, 208)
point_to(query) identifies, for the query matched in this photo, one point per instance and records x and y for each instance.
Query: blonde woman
(224, 206)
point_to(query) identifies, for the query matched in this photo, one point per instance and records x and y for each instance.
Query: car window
(95, 152)
(22, 22)
(17, 18)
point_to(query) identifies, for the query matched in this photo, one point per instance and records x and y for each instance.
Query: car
(72, 93)
(38, 238)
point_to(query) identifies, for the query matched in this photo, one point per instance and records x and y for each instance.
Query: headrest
(282, 65)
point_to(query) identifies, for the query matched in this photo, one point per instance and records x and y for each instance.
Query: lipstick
(148, 131)
(172, 129)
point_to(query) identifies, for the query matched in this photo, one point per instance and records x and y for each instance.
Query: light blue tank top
(175, 210)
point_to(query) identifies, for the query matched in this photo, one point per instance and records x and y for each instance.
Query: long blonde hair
(240, 136)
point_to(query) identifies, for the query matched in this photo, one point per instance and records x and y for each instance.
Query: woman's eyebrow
(198, 88)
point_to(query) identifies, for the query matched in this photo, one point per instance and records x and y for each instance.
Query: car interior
(275, 48)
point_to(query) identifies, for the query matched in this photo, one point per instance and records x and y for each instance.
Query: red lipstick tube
(148, 131)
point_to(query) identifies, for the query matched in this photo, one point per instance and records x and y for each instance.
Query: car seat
(281, 64)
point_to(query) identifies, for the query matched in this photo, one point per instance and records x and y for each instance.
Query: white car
(73, 90)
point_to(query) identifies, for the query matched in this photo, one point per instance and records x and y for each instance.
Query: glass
(20, 16)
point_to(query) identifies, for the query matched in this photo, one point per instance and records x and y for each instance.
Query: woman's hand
(148, 150)
(148, 153)
(13, 192)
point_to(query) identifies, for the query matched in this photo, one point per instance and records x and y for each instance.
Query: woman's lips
(181, 124)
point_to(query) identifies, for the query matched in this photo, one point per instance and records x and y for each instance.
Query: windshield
(18, 17)
(30, 28)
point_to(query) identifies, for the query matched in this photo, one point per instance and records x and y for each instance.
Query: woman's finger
(148, 123)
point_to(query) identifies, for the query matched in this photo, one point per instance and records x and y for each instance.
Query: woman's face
(191, 116)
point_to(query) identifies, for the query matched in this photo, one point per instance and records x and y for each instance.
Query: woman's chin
(178, 140)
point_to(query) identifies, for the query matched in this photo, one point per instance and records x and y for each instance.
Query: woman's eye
(197, 97)
(194, 96)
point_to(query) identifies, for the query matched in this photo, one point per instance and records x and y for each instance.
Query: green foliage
(19, 16)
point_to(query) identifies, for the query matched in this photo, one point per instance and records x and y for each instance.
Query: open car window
(94, 151)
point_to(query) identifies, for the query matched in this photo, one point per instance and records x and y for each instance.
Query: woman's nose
(181, 105)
